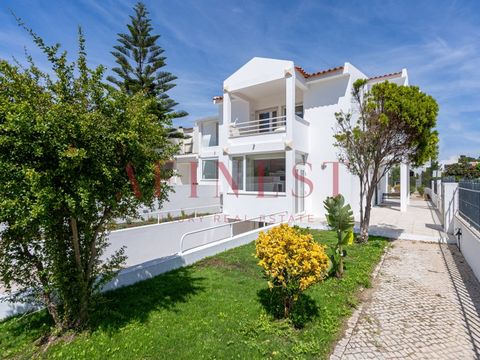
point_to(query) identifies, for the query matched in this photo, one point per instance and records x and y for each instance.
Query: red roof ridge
(385, 76)
(307, 75)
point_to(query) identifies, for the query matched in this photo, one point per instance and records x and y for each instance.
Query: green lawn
(211, 310)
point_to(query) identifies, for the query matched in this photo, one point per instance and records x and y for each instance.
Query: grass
(216, 309)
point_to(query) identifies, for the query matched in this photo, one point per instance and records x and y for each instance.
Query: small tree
(292, 262)
(340, 219)
(140, 65)
(394, 124)
(66, 141)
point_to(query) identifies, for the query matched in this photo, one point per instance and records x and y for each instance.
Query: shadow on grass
(135, 303)
(304, 311)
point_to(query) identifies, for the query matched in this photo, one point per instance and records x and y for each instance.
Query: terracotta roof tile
(385, 76)
(318, 73)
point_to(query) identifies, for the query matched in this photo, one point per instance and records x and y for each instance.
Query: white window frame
(202, 132)
(202, 167)
(264, 156)
(284, 109)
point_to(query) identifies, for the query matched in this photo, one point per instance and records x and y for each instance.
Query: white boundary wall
(144, 243)
(150, 254)
(156, 267)
(469, 244)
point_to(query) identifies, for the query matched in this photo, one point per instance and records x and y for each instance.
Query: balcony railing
(258, 127)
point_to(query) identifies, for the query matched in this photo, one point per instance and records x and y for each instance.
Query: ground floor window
(265, 172)
(210, 169)
(237, 171)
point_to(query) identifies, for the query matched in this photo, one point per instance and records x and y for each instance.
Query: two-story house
(271, 148)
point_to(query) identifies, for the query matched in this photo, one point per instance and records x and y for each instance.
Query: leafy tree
(394, 124)
(140, 64)
(66, 140)
(340, 219)
(465, 168)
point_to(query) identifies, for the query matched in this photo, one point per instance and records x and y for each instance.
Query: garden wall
(144, 243)
(469, 243)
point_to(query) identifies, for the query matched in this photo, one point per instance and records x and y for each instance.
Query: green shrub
(340, 219)
(421, 190)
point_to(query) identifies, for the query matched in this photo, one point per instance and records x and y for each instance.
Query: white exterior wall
(469, 244)
(181, 197)
(322, 100)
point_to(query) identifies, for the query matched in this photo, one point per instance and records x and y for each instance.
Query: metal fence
(449, 179)
(469, 202)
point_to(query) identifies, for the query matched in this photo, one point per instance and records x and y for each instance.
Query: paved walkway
(420, 222)
(425, 304)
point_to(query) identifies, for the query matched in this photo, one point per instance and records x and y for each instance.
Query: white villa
(270, 148)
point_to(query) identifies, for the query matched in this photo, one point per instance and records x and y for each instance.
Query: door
(300, 189)
(266, 120)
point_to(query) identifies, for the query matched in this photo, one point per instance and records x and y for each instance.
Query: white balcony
(271, 125)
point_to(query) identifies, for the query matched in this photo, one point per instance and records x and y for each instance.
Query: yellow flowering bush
(292, 261)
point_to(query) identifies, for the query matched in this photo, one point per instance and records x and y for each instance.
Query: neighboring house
(188, 154)
(271, 148)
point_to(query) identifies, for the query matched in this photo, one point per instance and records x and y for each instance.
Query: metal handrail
(252, 122)
(219, 226)
(255, 126)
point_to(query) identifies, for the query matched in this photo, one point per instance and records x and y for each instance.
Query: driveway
(424, 304)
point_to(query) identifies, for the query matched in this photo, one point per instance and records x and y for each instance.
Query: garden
(221, 307)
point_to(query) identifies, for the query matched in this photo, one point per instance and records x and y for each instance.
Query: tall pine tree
(140, 64)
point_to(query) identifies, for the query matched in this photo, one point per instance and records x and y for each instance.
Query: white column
(404, 191)
(227, 109)
(290, 103)
(385, 189)
(224, 133)
(408, 183)
(449, 206)
(290, 153)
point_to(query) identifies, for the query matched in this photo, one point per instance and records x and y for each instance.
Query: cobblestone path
(425, 304)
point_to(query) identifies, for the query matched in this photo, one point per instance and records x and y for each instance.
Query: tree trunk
(53, 311)
(365, 224)
(83, 279)
(340, 263)
(288, 301)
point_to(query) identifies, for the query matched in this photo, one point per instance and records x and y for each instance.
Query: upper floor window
(298, 110)
(209, 134)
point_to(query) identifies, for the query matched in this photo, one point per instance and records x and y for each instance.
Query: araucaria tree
(70, 145)
(391, 124)
(140, 64)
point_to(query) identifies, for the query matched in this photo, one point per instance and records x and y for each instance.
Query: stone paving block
(425, 304)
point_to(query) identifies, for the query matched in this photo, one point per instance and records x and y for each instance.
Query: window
(265, 172)
(237, 171)
(266, 119)
(210, 134)
(210, 169)
(298, 110)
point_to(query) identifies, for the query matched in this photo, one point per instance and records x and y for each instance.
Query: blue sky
(205, 41)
